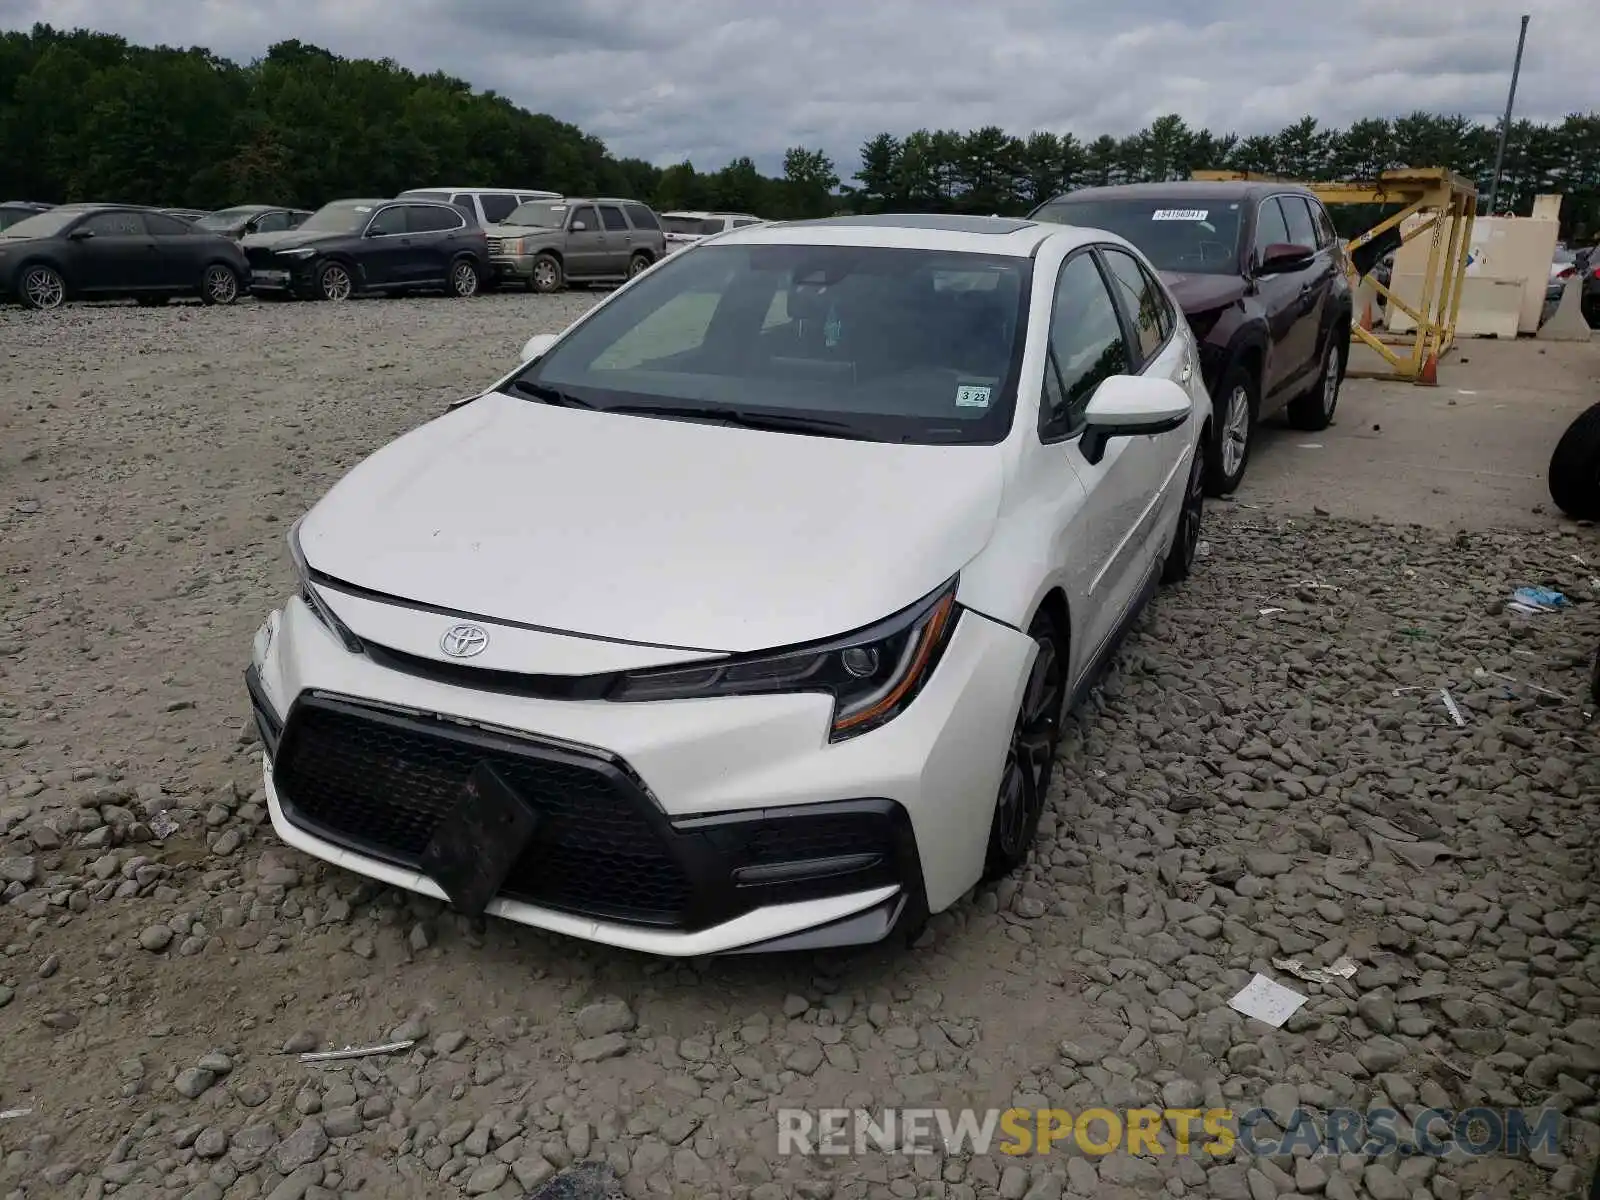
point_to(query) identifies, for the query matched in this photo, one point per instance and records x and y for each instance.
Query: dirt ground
(1270, 772)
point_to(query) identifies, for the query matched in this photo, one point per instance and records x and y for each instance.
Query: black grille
(379, 783)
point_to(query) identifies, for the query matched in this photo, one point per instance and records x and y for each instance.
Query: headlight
(299, 252)
(512, 246)
(872, 675)
(308, 594)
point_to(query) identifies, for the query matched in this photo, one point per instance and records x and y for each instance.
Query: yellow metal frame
(1444, 198)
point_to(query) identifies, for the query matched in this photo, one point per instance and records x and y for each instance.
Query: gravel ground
(1246, 786)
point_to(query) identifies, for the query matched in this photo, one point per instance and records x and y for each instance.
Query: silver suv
(546, 244)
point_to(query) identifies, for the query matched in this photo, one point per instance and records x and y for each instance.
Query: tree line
(86, 115)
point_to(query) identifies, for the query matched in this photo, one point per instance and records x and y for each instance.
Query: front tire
(220, 285)
(1313, 411)
(547, 276)
(1575, 468)
(334, 282)
(1031, 757)
(42, 287)
(1186, 538)
(1238, 402)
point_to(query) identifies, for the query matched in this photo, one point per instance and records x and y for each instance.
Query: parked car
(546, 244)
(13, 211)
(353, 246)
(487, 205)
(111, 251)
(746, 614)
(686, 228)
(1588, 262)
(245, 219)
(185, 214)
(1260, 273)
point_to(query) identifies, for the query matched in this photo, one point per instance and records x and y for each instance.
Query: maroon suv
(1260, 274)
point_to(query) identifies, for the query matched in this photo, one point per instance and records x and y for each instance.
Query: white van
(489, 205)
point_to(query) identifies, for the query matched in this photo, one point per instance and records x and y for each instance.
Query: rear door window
(497, 208)
(641, 217)
(432, 218)
(613, 217)
(165, 226)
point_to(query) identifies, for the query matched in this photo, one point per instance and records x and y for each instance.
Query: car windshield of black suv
(849, 341)
(342, 216)
(1184, 235)
(539, 214)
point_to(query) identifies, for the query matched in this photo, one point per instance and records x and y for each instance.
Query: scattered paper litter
(1203, 550)
(11, 1114)
(1268, 1002)
(1481, 673)
(1341, 968)
(1267, 612)
(1311, 445)
(1450, 706)
(356, 1052)
(163, 825)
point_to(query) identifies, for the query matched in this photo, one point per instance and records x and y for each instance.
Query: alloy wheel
(43, 288)
(222, 286)
(1330, 382)
(336, 283)
(1236, 431)
(1033, 743)
(464, 279)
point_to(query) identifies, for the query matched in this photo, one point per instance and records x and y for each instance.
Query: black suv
(1261, 276)
(353, 246)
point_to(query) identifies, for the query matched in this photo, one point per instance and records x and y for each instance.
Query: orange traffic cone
(1429, 376)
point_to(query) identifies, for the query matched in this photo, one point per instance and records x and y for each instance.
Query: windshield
(540, 214)
(694, 226)
(1194, 236)
(226, 218)
(342, 216)
(45, 224)
(877, 343)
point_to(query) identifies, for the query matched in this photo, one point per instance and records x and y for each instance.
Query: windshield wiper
(779, 422)
(548, 395)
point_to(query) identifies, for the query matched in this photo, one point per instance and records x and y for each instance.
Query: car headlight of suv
(872, 674)
(513, 246)
(298, 252)
(308, 595)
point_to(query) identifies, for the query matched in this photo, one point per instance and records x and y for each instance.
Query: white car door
(1096, 539)
(1161, 349)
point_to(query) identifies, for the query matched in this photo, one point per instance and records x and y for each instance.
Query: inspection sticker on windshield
(1180, 214)
(970, 395)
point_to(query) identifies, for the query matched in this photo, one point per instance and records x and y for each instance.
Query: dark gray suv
(546, 244)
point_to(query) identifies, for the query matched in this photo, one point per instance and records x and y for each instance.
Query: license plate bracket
(475, 847)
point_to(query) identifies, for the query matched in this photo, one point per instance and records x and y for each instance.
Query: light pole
(1505, 126)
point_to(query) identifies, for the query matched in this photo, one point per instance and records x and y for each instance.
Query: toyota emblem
(463, 641)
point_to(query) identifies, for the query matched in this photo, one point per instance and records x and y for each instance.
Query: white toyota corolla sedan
(743, 615)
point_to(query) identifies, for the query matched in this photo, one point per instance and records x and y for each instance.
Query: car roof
(483, 191)
(1186, 189)
(699, 213)
(912, 231)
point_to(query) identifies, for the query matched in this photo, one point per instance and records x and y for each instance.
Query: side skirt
(1096, 670)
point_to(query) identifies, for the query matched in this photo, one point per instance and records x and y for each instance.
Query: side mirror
(579, 226)
(1132, 406)
(80, 235)
(535, 346)
(1283, 257)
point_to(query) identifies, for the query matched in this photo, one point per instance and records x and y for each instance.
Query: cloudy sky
(711, 79)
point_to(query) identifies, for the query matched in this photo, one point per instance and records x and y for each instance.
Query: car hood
(288, 239)
(639, 529)
(521, 230)
(1197, 293)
